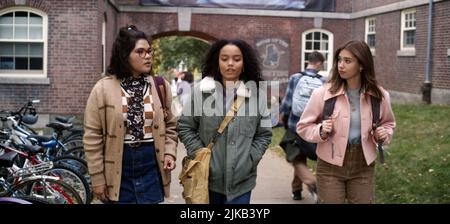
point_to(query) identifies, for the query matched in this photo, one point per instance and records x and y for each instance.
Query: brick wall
(74, 45)
(127, 2)
(359, 5)
(151, 24)
(344, 6)
(74, 59)
(441, 42)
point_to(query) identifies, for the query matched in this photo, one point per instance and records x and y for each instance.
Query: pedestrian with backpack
(300, 87)
(348, 117)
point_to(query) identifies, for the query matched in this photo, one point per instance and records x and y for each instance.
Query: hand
(380, 134)
(169, 162)
(327, 128)
(101, 193)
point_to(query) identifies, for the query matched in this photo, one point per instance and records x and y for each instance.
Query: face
(140, 58)
(348, 65)
(231, 62)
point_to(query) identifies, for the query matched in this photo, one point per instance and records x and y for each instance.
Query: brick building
(56, 50)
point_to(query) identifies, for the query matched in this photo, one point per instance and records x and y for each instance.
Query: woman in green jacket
(231, 70)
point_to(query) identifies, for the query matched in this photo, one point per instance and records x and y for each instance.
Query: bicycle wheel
(64, 146)
(74, 179)
(73, 143)
(74, 162)
(77, 152)
(46, 188)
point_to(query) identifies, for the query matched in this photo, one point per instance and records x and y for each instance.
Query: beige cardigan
(104, 134)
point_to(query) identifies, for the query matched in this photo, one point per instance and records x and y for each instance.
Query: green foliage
(170, 51)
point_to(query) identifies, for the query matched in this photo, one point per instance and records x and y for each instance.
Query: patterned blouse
(148, 113)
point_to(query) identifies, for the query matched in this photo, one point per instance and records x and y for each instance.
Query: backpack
(329, 107)
(305, 86)
(309, 149)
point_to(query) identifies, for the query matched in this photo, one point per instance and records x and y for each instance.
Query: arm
(171, 139)
(308, 127)
(286, 104)
(263, 135)
(93, 137)
(387, 121)
(188, 127)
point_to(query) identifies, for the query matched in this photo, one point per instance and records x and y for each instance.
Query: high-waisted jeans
(141, 181)
(351, 183)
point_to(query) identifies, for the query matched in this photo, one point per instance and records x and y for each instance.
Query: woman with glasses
(130, 139)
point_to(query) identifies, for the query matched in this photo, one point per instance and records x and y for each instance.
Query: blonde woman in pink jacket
(346, 148)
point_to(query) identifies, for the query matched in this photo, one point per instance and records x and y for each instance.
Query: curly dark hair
(121, 49)
(251, 69)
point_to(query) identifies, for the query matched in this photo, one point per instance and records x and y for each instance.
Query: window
(321, 41)
(408, 32)
(23, 43)
(370, 32)
(104, 46)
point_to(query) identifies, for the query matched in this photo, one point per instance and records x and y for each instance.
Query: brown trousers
(302, 174)
(352, 183)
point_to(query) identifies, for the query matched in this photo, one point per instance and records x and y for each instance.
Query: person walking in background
(230, 70)
(127, 129)
(300, 87)
(184, 87)
(347, 139)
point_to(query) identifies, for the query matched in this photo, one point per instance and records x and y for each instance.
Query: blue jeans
(217, 198)
(141, 182)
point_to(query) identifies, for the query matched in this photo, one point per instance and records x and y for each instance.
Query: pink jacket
(332, 149)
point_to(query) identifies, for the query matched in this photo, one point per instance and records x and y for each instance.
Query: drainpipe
(427, 85)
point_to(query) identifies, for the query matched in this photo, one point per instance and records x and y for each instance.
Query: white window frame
(104, 46)
(328, 52)
(404, 29)
(29, 74)
(370, 30)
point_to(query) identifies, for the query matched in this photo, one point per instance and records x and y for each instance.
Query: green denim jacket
(239, 148)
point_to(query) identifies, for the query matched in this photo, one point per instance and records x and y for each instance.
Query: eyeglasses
(142, 52)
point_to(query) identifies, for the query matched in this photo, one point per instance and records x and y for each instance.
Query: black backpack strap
(328, 108)
(375, 111)
(376, 122)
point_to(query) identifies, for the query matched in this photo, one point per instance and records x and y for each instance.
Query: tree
(170, 51)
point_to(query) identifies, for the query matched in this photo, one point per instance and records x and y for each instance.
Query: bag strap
(228, 117)
(376, 122)
(328, 108)
(375, 111)
(161, 89)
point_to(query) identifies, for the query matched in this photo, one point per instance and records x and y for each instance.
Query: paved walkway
(273, 185)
